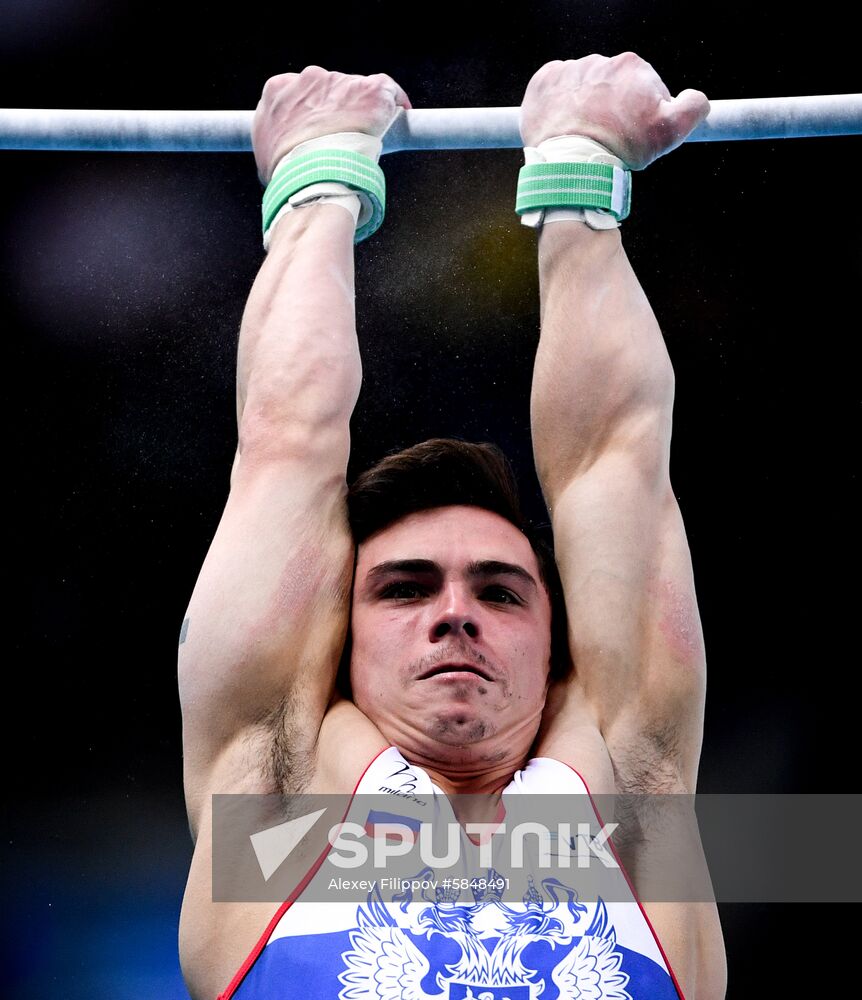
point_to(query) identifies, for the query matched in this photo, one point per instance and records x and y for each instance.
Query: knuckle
(380, 83)
(279, 81)
(550, 67)
(314, 71)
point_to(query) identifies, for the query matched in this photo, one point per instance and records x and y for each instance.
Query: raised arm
(601, 409)
(269, 614)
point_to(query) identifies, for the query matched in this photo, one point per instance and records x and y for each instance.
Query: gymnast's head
(458, 623)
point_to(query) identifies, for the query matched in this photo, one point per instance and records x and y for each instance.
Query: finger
(688, 109)
(400, 96)
(691, 106)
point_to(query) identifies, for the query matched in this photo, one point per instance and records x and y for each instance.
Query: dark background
(124, 279)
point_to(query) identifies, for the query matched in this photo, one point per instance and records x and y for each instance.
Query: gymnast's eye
(510, 597)
(406, 590)
(397, 589)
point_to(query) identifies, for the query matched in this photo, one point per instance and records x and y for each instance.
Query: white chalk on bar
(420, 128)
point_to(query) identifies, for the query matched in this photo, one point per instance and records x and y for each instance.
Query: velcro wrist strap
(575, 173)
(567, 185)
(355, 170)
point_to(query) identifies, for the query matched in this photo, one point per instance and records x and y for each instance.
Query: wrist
(341, 168)
(587, 247)
(318, 194)
(573, 177)
(322, 219)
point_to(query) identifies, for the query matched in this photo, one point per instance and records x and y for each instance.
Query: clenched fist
(299, 106)
(620, 102)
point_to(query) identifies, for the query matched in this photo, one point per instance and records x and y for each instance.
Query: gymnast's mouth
(455, 668)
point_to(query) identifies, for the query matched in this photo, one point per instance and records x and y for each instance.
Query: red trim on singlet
(243, 970)
(628, 880)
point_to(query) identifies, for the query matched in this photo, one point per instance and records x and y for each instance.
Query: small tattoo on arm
(184, 631)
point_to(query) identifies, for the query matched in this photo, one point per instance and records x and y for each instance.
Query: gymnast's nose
(455, 613)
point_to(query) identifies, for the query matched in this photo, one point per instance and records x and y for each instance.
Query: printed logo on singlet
(404, 787)
(570, 945)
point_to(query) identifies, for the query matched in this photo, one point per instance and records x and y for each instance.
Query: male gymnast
(411, 627)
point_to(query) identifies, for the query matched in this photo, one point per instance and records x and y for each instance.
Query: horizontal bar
(417, 129)
(748, 118)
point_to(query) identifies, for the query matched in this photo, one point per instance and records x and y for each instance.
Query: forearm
(602, 376)
(298, 365)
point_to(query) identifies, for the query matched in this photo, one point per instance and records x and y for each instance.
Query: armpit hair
(647, 770)
(289, 764)
(648, 763)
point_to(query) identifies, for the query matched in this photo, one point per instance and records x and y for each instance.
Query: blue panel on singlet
(310, 966)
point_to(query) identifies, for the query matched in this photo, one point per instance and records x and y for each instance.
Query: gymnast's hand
(620, 102)
(299, 106)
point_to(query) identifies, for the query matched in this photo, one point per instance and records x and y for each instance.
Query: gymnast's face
(442, 606)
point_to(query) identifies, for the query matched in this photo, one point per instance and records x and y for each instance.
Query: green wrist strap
(574, 185)
(342, 165)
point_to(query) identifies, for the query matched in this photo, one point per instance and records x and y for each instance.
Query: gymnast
(411, 632)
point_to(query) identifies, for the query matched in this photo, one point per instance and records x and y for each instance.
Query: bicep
(634, 629)
(269, 612)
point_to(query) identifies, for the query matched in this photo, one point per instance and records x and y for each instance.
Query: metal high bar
(416, 129)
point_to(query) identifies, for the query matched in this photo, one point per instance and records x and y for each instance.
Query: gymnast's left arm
(601, 407)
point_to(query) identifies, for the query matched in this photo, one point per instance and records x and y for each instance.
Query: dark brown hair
(442, 472)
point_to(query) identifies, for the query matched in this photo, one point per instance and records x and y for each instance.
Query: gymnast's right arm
(269, 614)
